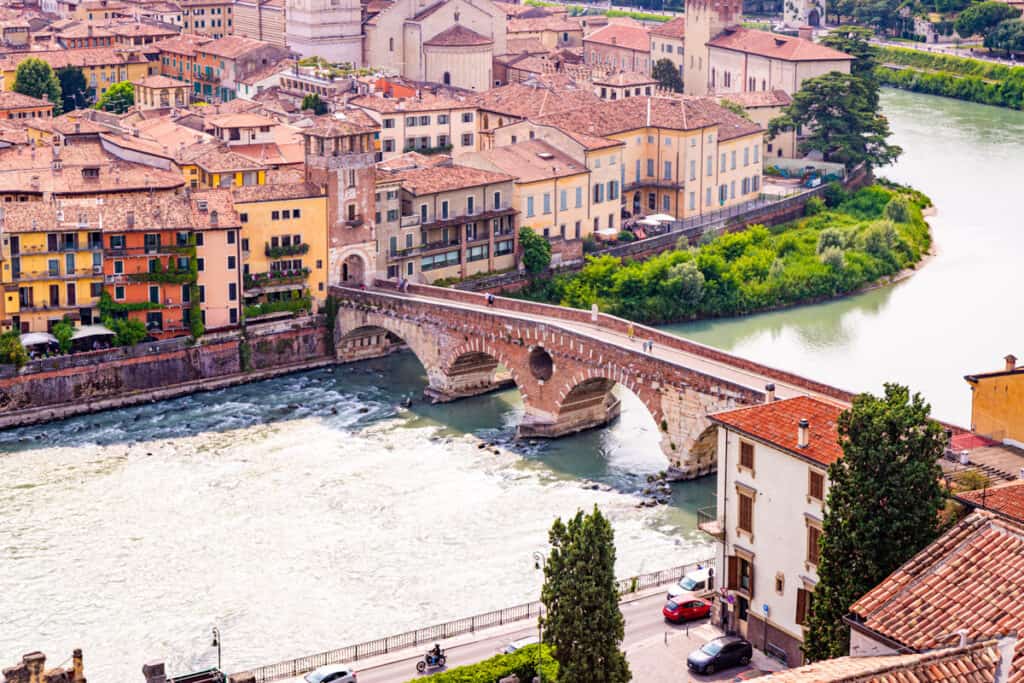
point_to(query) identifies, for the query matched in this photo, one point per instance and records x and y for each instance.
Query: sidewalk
(662, 659)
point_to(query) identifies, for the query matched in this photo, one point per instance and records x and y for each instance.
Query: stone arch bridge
(564, 363)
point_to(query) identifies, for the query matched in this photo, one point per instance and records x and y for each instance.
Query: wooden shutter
(746, 455)
(734, 572)
(750, 568)
(801, 606)
(816, 485)
(813, 547)
(746, 513)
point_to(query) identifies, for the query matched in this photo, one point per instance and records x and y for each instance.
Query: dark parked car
(720, 653)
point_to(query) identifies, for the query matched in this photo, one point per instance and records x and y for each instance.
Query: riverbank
(845, 244)
(962, 78)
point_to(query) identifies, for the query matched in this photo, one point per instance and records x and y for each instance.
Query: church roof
(671, 29)
(458, 36)
(775, 46)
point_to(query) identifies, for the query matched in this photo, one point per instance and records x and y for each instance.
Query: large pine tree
(583, 622)
(883, 505)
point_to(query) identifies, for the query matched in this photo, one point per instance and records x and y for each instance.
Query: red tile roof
(1006, 499)
(970, 578)
(967, 441)
(778, 424)
(421, 181)
(775, 46)
(671, 29)
(761, 98)
(458, 36)
(619, 35)
(975, 663)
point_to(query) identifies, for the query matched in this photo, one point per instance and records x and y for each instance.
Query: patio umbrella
(36, 338)
(92, 331)
(662, 217)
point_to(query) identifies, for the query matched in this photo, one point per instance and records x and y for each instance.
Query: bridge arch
(585, 399)
(471, 368)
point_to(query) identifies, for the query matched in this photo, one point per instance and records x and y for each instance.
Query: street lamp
(539, 563)
(216, 644)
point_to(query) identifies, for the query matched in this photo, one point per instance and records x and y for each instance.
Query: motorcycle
(430, 660)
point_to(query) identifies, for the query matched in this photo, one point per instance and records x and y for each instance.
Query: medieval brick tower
(705, 19)
(340, 157)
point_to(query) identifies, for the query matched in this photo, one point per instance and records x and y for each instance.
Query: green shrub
(63, 331)
(833, 258)
(522, 663)
(814, 206)
(293, 305)
(11, 350)
(834, 195)
(898, 210)
(127, 331)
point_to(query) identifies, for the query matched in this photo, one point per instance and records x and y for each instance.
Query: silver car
(331, 673)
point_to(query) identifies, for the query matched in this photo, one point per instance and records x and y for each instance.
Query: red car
(685, 609)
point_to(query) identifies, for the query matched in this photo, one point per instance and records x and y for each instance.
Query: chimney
(769, 393)
(803, 434)
(805, 32)
(1011, 363)
(154, 672)
(35, 662)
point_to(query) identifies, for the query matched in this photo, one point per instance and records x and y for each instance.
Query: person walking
(630, 332)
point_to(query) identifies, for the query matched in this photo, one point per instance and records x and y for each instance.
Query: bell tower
(705, 20)
(331, 29)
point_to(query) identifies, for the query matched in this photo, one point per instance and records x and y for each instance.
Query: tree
(127, 331)
(76, 92)
(982, 18)
(11, 350)
(313, 101)
(853, 40)
(1007, 36)
(839, 116)
(882, 14)
(35, 78)
(667, 75)
(882, 507)
(735, 108)
(117, 98)
(63, 331)
(536, 250)
(583, 622)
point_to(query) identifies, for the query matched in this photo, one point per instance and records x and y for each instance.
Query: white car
(331, 673)
(521, 643)
(693, 584)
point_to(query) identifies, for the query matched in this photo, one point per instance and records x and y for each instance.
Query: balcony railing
(285, 250)
(423, 249)
(477, 214)
(61, 249)
(354, 222)
(708, 522)
(409, 221)
(276, 277)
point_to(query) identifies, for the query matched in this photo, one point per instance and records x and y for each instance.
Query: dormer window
(91, 172)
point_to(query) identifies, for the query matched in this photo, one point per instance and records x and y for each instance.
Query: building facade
(997, 403)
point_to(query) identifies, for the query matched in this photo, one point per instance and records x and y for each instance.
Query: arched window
(487, 123)
(447, 78)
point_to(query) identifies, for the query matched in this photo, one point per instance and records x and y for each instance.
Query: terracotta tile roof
(15, 100)
(220, 201)
(975, 663)
(1006, 499)
(184, 44)
(621, 35)
(275, 192)
(775, 46)
(625, 78)
(272, 153)
(159, 82)
(529, 101)
(675, 28)
(516, 46)
(142, 28)
(85, 30)
(139, 144)
(427, 101)
(603, 118)
(559, 23)
(777, 423)
(970, 578)
(347, 122)
(458, 36)
(761, 98)
(232, 47)
(160, 210)
(58, 59)
(523, 161)
(967, 441)
(242, 120)
(268, 71)
(30, 169)
(215, 157)
(435, 178)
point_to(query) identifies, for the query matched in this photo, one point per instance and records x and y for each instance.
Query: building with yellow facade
(997, 402)
(101, 66)
(284, 245)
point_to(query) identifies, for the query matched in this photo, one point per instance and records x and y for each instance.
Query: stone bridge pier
(566, 379)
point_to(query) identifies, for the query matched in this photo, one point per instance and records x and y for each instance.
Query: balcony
(475, 215)
(354, 222)
(424, 249)
(276, 280)
(41, 250)
(285, 250)
(409, 221)
(40, 275)
(708, 522)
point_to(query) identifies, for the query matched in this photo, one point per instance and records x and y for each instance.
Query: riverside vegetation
(972, 80)
(844, 243)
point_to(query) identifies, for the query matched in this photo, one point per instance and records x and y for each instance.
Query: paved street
(656, 649)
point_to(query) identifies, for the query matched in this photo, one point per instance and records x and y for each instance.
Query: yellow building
(284, 245)
(212, 164)
(997, 402)
(681, 156)
(101, 66)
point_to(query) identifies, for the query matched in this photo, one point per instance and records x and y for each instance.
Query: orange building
(14, 105)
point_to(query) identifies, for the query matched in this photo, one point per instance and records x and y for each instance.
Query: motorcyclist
(436, 652)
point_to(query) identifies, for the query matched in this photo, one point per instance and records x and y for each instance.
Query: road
(694, 361)
(644, 623)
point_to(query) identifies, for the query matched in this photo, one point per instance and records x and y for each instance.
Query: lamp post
(216, 644)
(539, 563)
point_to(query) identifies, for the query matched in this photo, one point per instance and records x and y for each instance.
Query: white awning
(650, 220)
(92, 331)
(35, 338)
(662, 217)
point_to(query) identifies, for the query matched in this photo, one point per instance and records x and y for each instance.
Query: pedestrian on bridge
(630, 331)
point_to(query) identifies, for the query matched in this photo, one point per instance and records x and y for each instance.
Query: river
(312, 511)
(961, 313)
